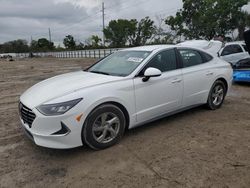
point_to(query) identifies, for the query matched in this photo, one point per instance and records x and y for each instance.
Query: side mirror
(151, 72)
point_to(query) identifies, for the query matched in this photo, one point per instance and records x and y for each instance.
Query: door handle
(177, 80)
(209, 73)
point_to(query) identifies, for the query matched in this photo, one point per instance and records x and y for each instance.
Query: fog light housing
(63, 131)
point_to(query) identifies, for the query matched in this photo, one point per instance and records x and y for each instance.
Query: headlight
(57, 109)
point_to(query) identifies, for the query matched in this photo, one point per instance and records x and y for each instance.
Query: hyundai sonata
(124, 90)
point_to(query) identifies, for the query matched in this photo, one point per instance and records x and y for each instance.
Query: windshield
(120, 63)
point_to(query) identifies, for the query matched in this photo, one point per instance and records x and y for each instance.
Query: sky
(81, 18)
(28, 19)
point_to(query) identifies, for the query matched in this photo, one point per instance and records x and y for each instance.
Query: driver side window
(164, 61)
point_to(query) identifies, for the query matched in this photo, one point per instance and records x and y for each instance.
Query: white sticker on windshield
(135, 59)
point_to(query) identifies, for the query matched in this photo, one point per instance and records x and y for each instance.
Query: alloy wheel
(218, 95)
(106, 127)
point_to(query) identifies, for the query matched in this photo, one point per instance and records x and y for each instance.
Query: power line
(75, 24)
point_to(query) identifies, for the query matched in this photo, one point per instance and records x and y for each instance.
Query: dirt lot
(197, 148)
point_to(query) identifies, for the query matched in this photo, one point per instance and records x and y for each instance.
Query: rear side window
(206, 57)
(231, 49)
(245, 47)
(164, 61)
(190, 57)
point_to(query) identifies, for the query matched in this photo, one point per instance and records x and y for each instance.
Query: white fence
(97, 53)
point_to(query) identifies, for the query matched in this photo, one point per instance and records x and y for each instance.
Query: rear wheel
(104, 127)
(217, 95)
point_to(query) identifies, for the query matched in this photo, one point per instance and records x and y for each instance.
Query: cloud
(41, 10)
(81, 18)
(80, 3)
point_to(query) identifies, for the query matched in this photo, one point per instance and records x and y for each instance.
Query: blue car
(241, 76)
(242, 71)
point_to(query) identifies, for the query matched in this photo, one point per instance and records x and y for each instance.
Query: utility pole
(103, 24)
(49, 36)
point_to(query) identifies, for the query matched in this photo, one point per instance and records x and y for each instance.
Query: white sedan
(233, 52)
(124, 90)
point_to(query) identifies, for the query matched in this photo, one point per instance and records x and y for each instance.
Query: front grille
(26, 114)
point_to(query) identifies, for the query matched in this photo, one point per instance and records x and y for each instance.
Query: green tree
(80, 46)
(15, 46)
(206, 18)
(162, 35)
(59, 48)
(243, 22)
(167, 38)
(69, 42)
(116, 33)
(43, 44)
(34, 46)
(141, 31)
(121, 32)
(95, 40)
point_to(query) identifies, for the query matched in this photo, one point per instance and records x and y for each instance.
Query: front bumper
(59, 132)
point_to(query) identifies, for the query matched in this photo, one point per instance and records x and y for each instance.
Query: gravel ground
(196, 148)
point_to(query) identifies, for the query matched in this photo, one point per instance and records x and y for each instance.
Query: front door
(159, 95)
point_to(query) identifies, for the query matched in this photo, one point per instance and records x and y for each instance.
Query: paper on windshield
(135, 59)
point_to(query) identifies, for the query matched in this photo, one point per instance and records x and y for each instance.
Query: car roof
(235, 42)
(150, 48)
(157, 48)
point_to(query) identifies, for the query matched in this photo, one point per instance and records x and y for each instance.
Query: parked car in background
(242, 67)
(8, 55)
(233, 52)
(212, 46)
(242, 71)
(241, 75)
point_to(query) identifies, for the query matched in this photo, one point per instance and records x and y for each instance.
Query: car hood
(61, 85)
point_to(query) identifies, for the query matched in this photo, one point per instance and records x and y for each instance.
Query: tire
(104, 127)
(216, 95)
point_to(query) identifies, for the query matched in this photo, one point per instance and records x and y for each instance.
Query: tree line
(198, 19)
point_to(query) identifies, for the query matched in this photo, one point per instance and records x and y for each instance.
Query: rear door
(162, 94)
(198, 76)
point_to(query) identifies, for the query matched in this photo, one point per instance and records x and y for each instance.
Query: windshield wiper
(100, 72)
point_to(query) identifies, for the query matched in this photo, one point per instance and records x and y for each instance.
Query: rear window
(190, 57)
(206, 57)
(231, 49)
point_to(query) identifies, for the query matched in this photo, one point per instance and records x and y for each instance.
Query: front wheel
(104, 127)
(217, 95)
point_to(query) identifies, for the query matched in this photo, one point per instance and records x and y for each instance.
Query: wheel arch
(119, 105)
(123, 109)
(224, 81)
